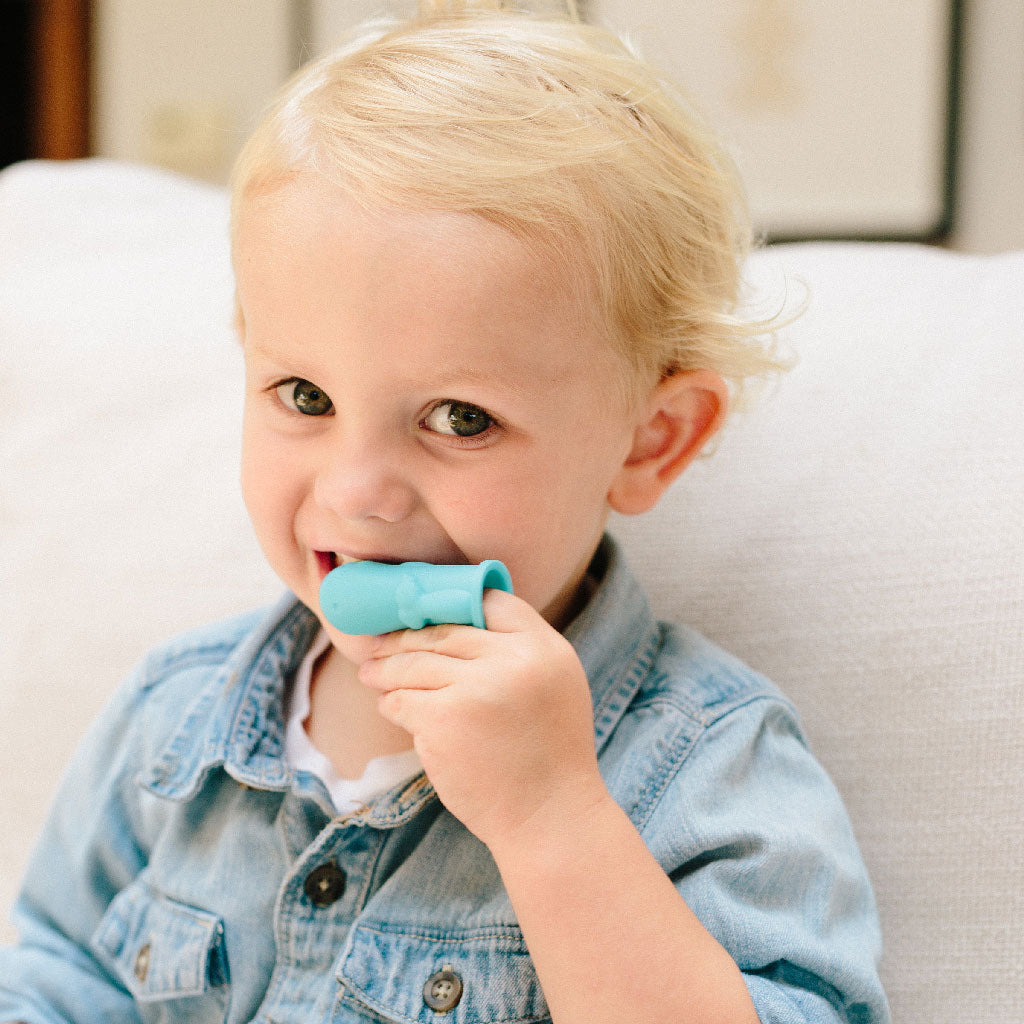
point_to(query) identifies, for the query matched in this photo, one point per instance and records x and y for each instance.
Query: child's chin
(354, 648)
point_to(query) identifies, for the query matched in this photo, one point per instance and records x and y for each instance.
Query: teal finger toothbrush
(369, 598)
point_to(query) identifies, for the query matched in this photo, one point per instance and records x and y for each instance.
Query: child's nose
(363, 483)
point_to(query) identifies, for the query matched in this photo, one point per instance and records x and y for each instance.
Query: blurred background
(869, 120)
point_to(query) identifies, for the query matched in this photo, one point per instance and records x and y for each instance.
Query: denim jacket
(187, 873)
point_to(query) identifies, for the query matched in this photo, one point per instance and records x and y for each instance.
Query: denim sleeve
(88, 851)
(756, 838)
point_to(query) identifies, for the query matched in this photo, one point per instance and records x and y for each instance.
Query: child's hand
(501, 718)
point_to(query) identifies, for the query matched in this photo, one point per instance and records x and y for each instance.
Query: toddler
(486, 269)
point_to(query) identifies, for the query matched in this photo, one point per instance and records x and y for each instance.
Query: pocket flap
(162, 949)
(391, 971)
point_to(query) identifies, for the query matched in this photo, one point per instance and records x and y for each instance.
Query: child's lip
(328, 560)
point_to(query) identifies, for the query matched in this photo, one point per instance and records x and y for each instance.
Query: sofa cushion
(858, 535)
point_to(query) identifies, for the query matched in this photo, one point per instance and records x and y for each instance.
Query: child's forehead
(449, 259)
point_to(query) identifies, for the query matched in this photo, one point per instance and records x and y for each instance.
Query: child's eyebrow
(449, 379)
(261, 348)
(453, 378)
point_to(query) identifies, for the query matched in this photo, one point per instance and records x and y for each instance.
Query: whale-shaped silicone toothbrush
(369, 598)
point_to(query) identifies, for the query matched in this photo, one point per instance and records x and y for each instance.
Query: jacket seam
(511, 932)
(653, 794)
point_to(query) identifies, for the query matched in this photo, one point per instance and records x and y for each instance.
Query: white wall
(179, 83)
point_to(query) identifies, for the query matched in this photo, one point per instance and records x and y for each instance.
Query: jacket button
(443, 991)
(325, 884)
(141, 966)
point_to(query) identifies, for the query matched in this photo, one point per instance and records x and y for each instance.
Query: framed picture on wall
(840, 116)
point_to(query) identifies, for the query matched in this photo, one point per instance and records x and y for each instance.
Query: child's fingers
(449, 641)
(405, 708)
(503, 613)
(409, 670)
(506, 613)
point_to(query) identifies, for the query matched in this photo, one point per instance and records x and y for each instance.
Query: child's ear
(682, 414)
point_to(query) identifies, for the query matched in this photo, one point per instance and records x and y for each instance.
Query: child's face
(419, 387)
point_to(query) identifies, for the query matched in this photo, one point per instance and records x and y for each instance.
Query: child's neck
(343, 723)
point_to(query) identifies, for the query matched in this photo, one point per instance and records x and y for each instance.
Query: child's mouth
(328, 560)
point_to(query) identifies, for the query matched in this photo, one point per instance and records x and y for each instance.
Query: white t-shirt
(380, 775)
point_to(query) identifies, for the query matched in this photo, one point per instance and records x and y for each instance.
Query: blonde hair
(554, 130)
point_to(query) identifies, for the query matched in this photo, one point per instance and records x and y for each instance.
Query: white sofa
(858, 536)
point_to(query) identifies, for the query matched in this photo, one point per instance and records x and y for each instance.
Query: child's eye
(458, 419)
(303, 396)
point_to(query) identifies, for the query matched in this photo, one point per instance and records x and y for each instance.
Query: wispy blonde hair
(553, 129)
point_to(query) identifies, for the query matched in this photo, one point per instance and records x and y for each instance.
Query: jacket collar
(237, 720)
(616, 638)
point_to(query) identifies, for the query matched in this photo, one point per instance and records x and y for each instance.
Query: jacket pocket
(168, 955)
(420, 976)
